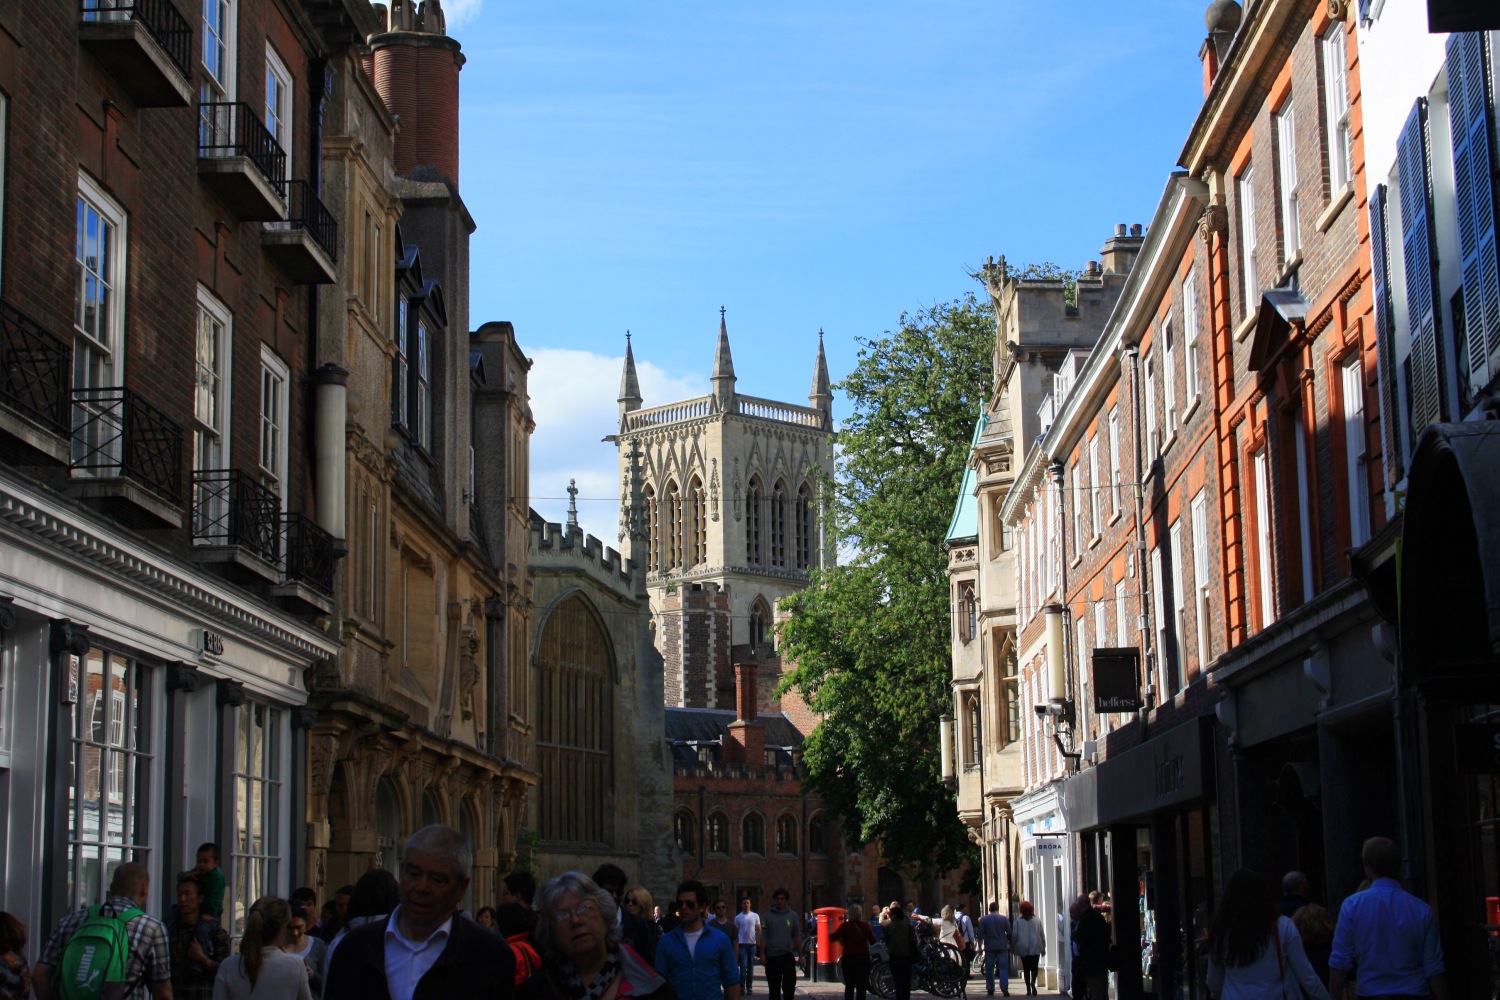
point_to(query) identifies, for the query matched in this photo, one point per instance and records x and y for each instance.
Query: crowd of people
(579, 937)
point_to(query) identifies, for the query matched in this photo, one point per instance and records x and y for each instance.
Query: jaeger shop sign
(1175, 767)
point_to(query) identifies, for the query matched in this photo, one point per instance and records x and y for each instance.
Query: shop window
(255, 854)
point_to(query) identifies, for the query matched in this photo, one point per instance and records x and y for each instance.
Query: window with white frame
(1286, 167)
(1159, 618)
(1304, 509)
(1168, 378)
(273, 422)
(1122, 622)
(1173, 662)
(1075, 502)
(1116, 472)
(1081, 666)
(99, 314)
(218, 50)
(1244, 186)
(1190, 335)
(1200, 576)
(400, 364)
(1265, 591)
(1352, 375)
(1335, 53)
(1153, 443)
(278, 100)
(1096, 494)
(109, 793)
(211, 417)
(422, 417)
(257, 808)
(1101, 621)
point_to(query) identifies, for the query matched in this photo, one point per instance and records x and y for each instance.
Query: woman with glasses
(583, 957)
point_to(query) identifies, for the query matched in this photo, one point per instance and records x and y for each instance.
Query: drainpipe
(1133, 356)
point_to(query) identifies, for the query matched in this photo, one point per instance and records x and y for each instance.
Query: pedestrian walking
(1253, 952)
(997, 938)
(199, 944)
(1030, 944)
(1090, 949)
(966, 927)
(948, 931)
(855, 936)
(147, 965)
(1294, 894)
(747, 932)
(421, 952)
(583, 956)
(263, 970)
(901, 948)
(15, 974)
(722, 922)
(518, 888)
(485, 917)
(636, 930)
(302, 944)
(1315, 925)
(371, 899)
(1386, 935)
(698, 962)
(781, 930)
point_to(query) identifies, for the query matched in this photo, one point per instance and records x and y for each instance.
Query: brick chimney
(745, 743)
(1222, 20)
(416, 66)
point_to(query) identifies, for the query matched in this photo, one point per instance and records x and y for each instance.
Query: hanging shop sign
(1117, 680)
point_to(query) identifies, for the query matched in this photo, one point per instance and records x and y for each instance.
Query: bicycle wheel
(882, 983)
(945, 974)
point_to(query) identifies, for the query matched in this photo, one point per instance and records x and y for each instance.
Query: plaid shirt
(150, 948)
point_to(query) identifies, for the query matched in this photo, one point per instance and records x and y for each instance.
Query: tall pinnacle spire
(821, 397)
(630, 385)
(723, 377)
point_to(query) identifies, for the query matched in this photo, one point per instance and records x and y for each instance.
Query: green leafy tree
(870, 638)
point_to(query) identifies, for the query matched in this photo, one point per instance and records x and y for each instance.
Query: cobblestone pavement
(805, 988)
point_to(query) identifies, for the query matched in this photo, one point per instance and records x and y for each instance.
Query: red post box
(826, 968)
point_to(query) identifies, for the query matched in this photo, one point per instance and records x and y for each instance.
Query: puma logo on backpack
(94, 962)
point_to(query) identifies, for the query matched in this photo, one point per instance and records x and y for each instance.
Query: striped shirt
(150, 947)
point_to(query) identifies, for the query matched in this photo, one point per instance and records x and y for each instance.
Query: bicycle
(937, 969)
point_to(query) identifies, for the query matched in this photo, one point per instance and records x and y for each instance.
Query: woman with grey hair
(583, 958)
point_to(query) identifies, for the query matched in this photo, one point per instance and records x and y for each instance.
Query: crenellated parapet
(554, 545)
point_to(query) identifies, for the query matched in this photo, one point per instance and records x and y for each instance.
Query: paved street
(806, 988)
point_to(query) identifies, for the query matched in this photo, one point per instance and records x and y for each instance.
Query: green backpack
(95, 959)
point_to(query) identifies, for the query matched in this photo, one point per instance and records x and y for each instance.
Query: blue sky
(807, 165)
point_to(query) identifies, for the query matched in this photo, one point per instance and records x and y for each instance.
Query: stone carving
(713, 489)
(1213, 222)
(739, 494)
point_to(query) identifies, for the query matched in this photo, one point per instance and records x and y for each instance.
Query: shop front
(1153, 844)
(1047, 875)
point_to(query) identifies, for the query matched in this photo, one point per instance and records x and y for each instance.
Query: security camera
(1040, 710)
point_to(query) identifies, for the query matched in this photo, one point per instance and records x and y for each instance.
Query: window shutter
(1385, 336)
(1469, 114)
(1421, 267)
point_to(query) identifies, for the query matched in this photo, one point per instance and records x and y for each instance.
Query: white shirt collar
(393, 932)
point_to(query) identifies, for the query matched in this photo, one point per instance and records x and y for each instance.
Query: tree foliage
(870, 638)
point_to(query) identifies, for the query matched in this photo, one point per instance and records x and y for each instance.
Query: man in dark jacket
(425, 951)
(635, 931)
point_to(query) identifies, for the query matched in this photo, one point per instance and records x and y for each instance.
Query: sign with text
(1478, 748)
(1117, 680)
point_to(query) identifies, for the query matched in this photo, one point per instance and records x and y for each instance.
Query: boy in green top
(210, 878)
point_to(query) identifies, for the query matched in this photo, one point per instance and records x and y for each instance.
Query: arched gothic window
(697, 534)
(685, 832)
(387, 824)
(653, 529)
(574, 725)
(804, 526)
(752, 522)
(673, 556)
(817, 835)
(760, 616)
(778, 524)
(968, 612)
(753, 834)
(718, 834)
(786, 834)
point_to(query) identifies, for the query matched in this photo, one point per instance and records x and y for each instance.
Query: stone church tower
(732, 488)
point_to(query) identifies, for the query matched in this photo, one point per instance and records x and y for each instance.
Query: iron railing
(234, 129)
(160, 17)
(304, 210)
(309, 553)
(117, 434)
(37, 370)
(231, 508)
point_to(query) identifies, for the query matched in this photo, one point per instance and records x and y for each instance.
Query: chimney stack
(1222, 20)
(416, 67)
(1121, 249)
(745, 743)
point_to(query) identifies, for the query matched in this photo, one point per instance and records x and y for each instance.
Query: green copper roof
(965, 523)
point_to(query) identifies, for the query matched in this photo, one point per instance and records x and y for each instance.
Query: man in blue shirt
(995, 937)
(699, 962)
(1386, 936)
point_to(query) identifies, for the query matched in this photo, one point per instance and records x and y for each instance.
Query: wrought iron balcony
(118, 435)
(241, 161)
(35, 369)
(230, 508)
(305, 244)
(309, 554)
(147, 45)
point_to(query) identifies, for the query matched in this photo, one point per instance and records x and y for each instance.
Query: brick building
(166, 559)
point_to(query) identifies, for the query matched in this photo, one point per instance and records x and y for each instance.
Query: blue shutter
(1385, 337)
(1474, 188)
(1421, 269)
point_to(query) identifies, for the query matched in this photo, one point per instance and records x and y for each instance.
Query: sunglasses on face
(686, 904)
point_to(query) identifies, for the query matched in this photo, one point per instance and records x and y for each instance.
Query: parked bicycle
(938, 969)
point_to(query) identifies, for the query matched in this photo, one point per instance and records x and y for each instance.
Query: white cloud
(460, 12)
(574, 400)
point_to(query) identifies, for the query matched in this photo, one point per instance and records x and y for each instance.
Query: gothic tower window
(760, 614)
(718, 834)
(685, 832)
(753, 834)
(672, 557)
(752, 522)
(778, 524)
(653, 529)
(697, 537)
(574, 726)
(804, 527)
(786, 834)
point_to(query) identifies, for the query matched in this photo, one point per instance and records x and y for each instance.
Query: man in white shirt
(747, 929)
(422, 952)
